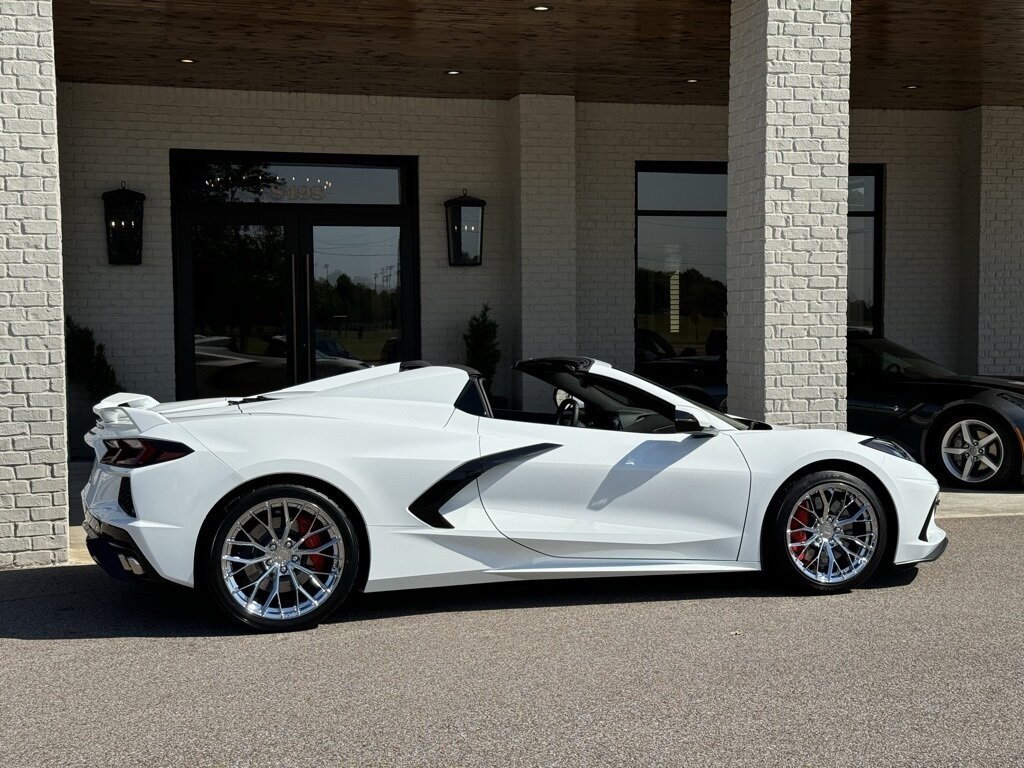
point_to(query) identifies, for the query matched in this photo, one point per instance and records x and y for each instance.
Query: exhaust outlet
(130, 564)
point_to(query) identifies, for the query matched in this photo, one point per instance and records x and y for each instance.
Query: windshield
(607, 390)
(881, 356)
(713, 411)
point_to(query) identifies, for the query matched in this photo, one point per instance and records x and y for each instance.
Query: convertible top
(542, 365)
(412, 365)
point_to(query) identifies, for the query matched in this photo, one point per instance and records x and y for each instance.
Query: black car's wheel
(973, 450)
(827, 533)
(283, 557)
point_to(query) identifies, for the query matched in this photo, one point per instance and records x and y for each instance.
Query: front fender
(776, 456)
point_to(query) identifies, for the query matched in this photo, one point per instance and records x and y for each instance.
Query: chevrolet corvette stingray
(403, 475)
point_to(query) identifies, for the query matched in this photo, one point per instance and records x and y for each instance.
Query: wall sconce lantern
(122, 215)
(465, 217)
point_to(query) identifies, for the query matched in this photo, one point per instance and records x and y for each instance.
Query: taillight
(142, 452)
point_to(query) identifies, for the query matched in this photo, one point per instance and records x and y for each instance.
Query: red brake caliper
(317, 562)
(803, 517)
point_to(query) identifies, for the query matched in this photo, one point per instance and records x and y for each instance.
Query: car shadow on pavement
(608, 591)
(80, 601)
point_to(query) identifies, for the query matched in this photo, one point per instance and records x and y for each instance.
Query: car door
(590, 493)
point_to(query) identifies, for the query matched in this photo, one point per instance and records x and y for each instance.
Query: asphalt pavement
(922, 668)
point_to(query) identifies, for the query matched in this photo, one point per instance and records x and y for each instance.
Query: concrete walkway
(980, 504)
(954, 504)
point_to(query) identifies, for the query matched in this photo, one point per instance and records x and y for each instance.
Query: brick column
(544, 139)
(786, 264)
(33, 462)
(997, 237)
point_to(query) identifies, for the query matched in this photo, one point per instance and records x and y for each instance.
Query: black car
(968, 430)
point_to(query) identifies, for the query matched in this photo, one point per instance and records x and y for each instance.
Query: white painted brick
(1000, 240)
(778, 216)
(544, 160)
(30, 208)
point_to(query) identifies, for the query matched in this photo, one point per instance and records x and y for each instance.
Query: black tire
(1010, 459)
(776, 539)
(304, 501)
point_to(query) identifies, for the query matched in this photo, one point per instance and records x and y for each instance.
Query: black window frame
(297, 218)
(876, 170)
(649, 166)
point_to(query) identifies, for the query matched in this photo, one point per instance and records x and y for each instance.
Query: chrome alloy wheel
(282, 558)
(972, 451)
(832, 533)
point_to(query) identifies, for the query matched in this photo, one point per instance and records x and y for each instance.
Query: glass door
(242, 313)
(356, 298)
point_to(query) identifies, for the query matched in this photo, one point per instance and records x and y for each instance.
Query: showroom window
(680, 256)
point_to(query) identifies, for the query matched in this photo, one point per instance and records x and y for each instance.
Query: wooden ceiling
(959, 54)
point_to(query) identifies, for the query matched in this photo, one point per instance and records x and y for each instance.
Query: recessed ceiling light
(454, 72)
(542, 7)
(187, 61)
(910, 87)
(692, 80)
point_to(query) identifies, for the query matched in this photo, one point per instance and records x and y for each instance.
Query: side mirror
(687, 422)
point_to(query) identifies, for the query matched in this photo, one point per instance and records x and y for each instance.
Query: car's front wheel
(283, 557)
(973, 450)
(827, 532)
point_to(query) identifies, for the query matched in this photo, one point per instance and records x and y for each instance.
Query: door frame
(298, 220)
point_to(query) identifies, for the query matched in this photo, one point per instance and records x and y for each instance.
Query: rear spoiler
(128, 408)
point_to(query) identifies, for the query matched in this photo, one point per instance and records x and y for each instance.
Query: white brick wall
(1001, 241)
(546, 221)
(33, 472)
(969, 218)
(546, 129)
(112, 133)
(786, 232)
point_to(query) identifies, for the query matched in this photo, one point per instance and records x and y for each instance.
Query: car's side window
(473, 400)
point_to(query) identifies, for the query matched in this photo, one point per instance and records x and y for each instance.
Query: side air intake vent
(427, 506)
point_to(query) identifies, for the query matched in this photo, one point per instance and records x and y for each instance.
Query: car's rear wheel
(827, 532)
(283, 557)
(973, 450)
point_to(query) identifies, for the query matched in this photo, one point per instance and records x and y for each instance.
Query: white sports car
(403, 476)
